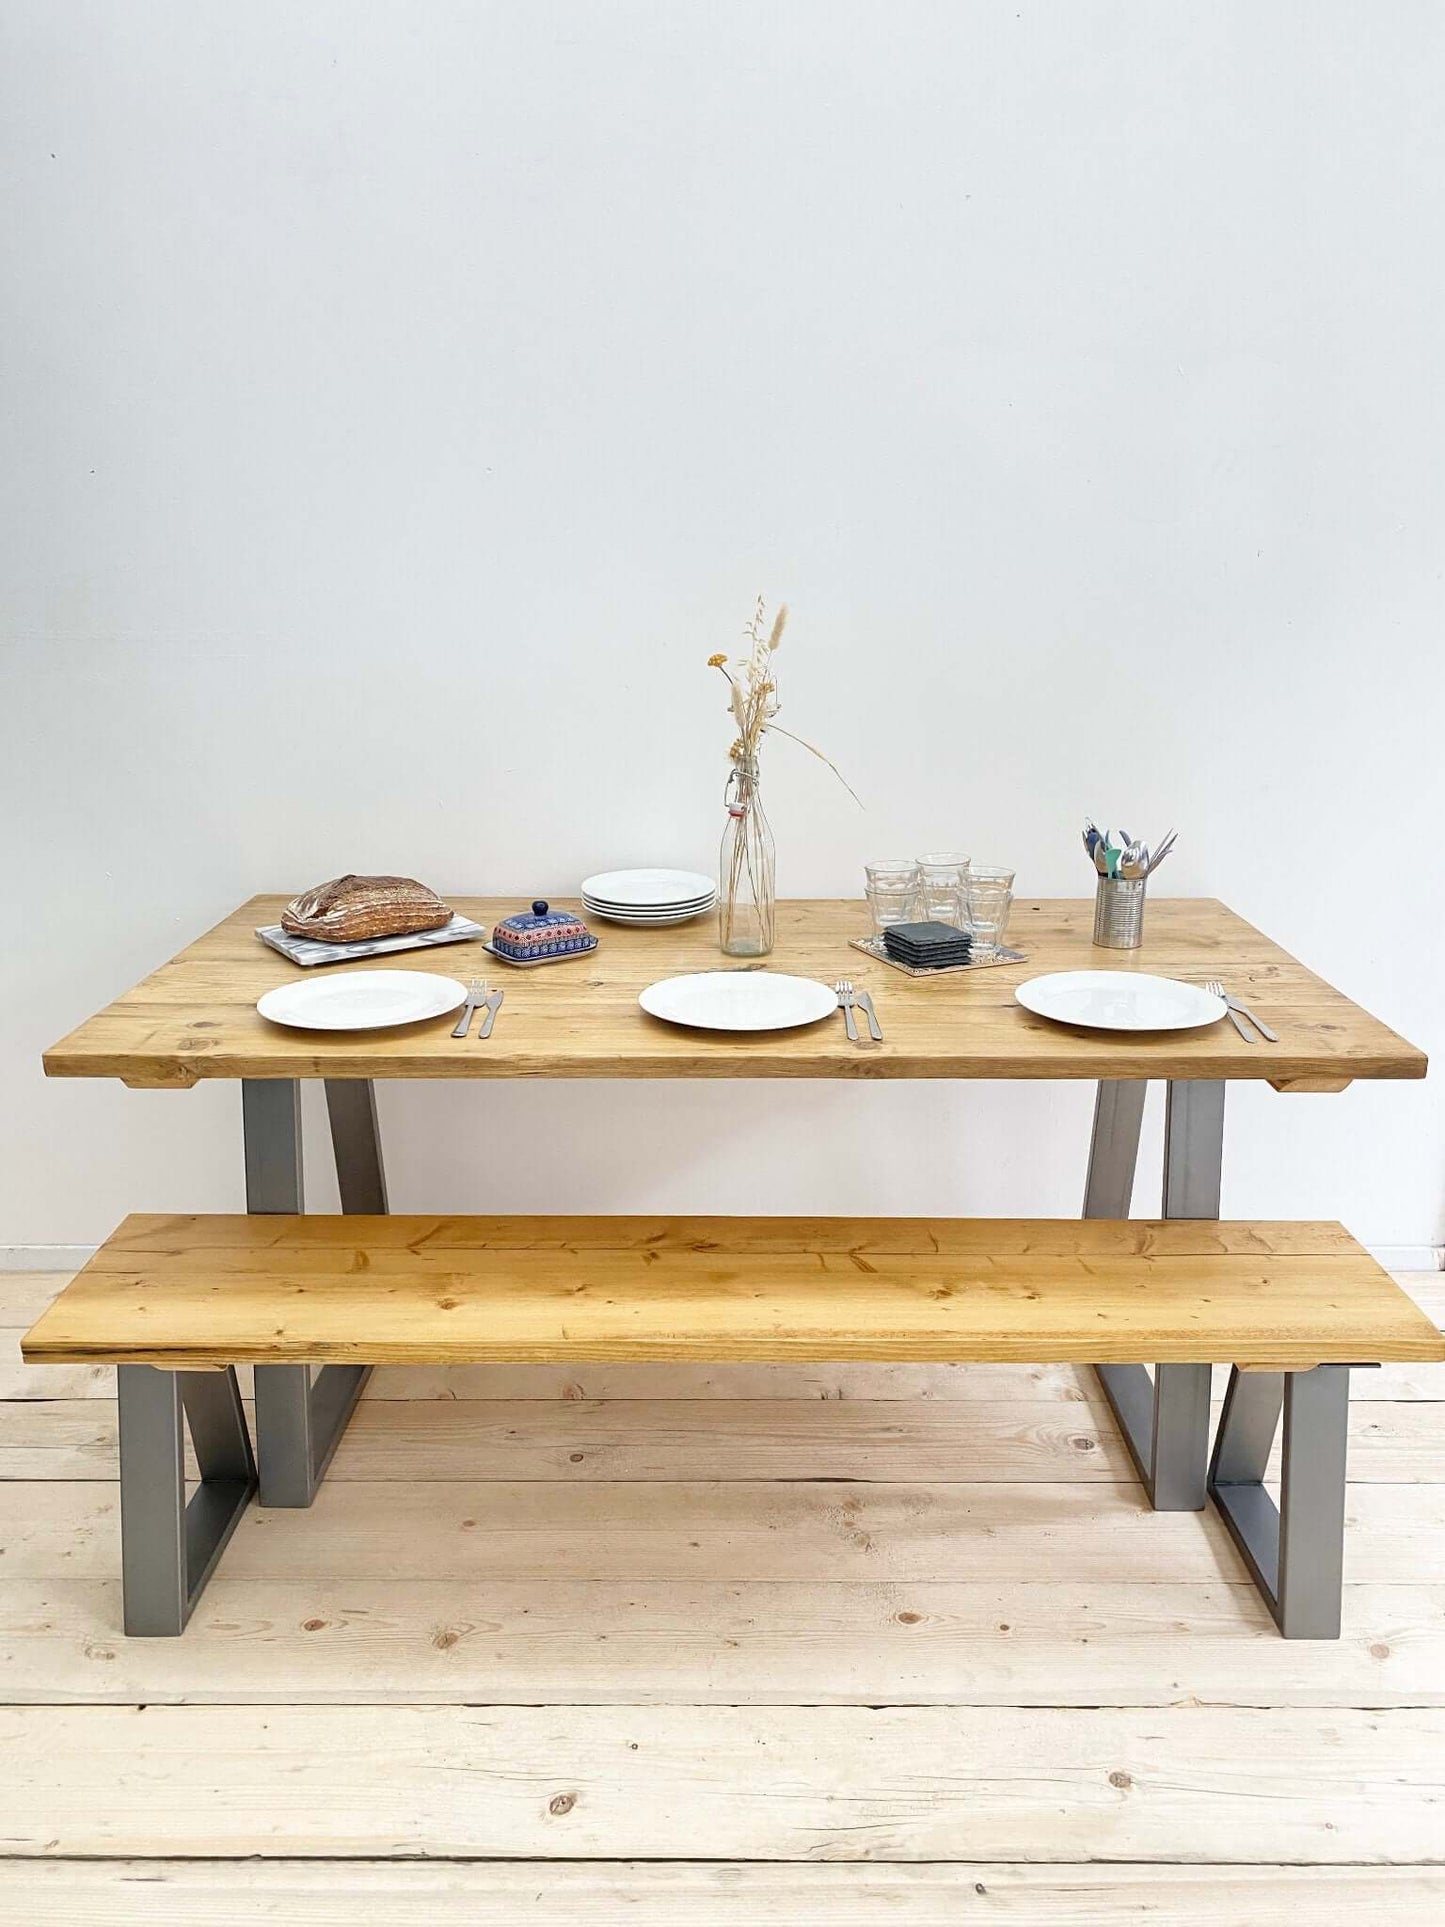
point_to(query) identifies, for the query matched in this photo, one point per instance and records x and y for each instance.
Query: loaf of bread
(350, 909)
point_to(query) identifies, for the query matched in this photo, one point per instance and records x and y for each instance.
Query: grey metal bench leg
(299, 1423)
(300, 1418)
(1164, 1421)
(1165, 1424)
(1295, 1553)
(168, 1548)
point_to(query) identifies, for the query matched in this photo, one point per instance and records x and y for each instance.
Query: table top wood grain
(195, 1016)
(197, 1291)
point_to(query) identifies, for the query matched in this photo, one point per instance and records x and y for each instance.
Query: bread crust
(350, 909)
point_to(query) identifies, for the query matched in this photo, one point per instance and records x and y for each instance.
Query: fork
(843, 991)
(476, 992)
(1216, 989)
(1238, 1004)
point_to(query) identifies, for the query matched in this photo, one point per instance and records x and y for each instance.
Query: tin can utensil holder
(1119, 913)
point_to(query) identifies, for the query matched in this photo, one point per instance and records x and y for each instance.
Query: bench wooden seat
(171, 1299)
(198, 1291)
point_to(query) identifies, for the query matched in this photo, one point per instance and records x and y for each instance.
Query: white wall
(401, 401)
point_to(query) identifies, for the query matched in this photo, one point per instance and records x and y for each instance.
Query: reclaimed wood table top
(198, 1291)
(195, 1016)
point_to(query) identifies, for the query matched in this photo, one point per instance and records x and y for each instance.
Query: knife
(1264, 1030)
(491, 1005)
(875, 1029)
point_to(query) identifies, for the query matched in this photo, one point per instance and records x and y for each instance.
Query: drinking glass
(989, 893)
(892, 892)
(943, 879)
(888, 906)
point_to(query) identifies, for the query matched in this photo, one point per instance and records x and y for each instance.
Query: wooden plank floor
(723, 1646)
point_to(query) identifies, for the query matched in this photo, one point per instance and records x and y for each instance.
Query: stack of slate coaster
(927, 946)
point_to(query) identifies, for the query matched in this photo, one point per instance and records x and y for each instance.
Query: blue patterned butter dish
(542, 933)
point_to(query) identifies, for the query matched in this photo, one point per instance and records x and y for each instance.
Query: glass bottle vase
(747, 899)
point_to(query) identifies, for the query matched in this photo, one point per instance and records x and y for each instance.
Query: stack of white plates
(648, 897)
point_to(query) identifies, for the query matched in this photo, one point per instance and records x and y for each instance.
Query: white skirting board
(1409, 1257)
(44, 1257)
(72, 1257)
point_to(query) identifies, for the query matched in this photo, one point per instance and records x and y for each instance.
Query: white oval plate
(739, 1000)
(1120, 1000)
(362, 1000)
(648, 889)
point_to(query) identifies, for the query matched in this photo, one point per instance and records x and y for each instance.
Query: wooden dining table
(195, 1018)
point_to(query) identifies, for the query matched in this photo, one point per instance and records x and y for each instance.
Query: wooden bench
(177, 1302)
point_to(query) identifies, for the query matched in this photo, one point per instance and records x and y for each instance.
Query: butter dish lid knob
(539, 907)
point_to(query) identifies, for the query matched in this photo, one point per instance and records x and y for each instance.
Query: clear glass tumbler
(888, 907)
(989, 894)
(893, 893)
(944, 879)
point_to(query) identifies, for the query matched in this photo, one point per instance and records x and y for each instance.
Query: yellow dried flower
(717, 662)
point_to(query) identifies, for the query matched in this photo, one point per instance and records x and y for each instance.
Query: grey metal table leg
(168, 1548)
(1114, 1148)
(271, 1131)
(356, 1144)
(300, 1420)
(1295, 1553)
(1164, 1420)
(1193, 1149)
(361, 1182)
(1108, 1193)
(1193, 1173)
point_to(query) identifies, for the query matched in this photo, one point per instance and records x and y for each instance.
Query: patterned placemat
(873, 947)
(309, 951)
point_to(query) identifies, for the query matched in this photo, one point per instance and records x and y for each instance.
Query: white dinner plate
(650, 923)
(650, 909)
(739, 1000)
(652, 919)
(362, 1000)
(1120, 1000)
(648, 889)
